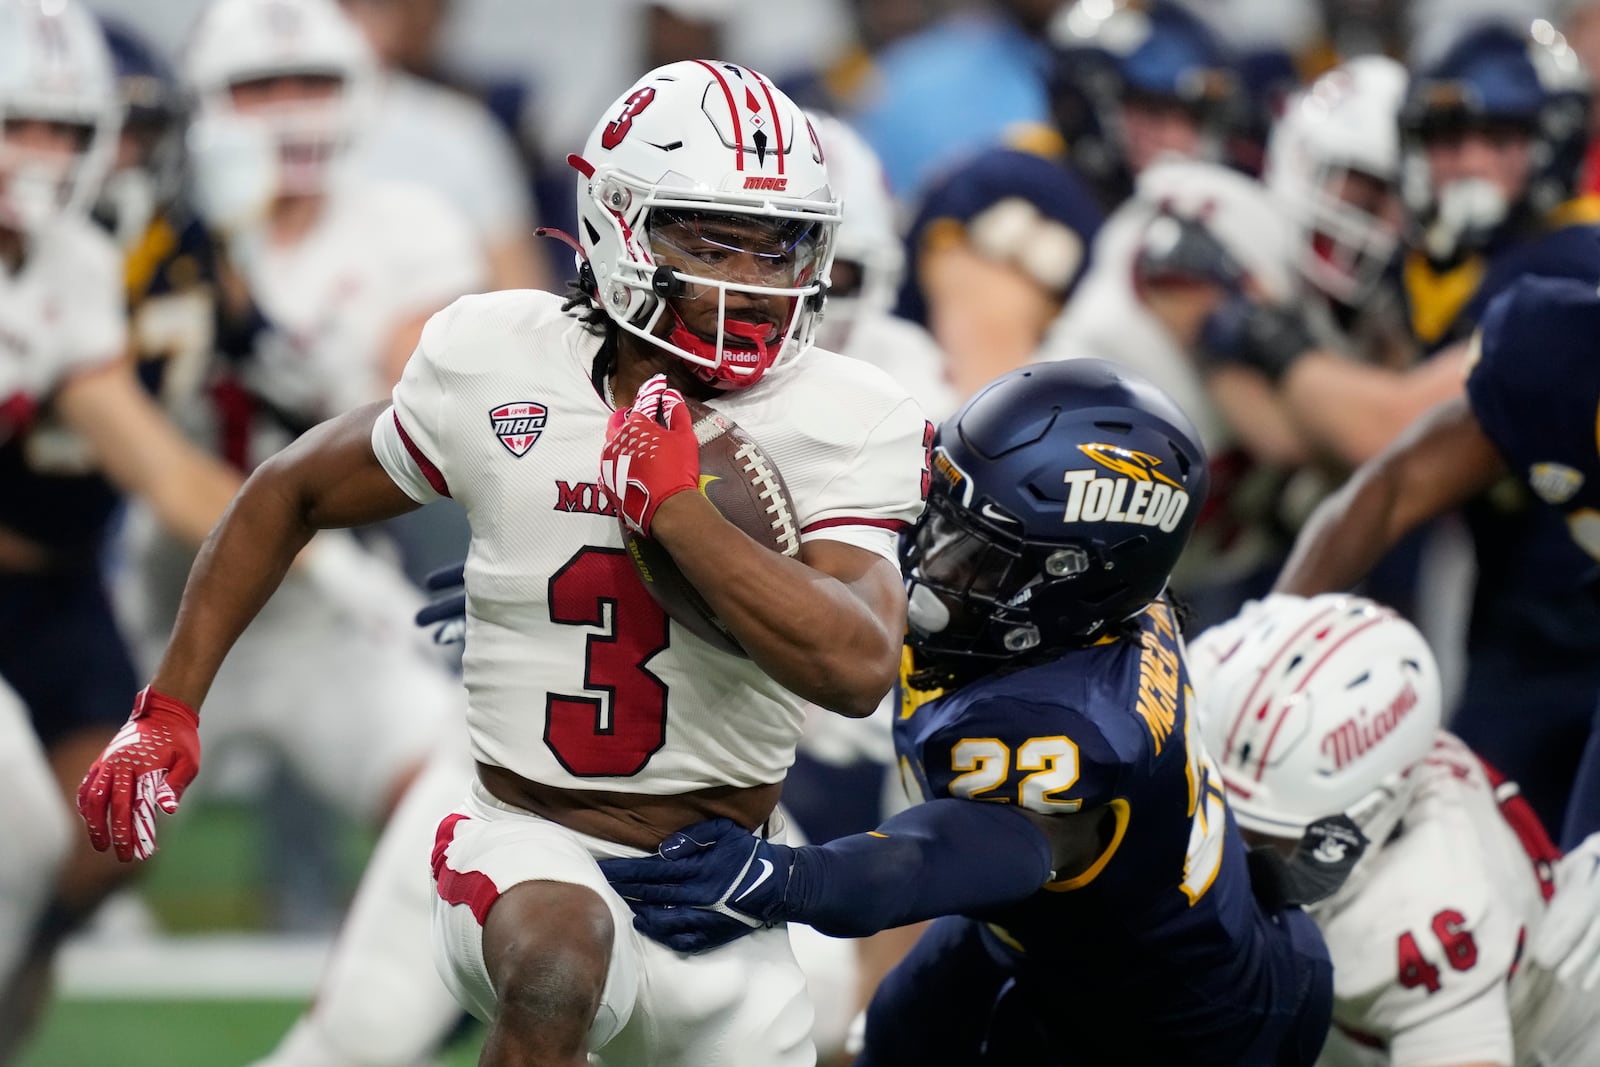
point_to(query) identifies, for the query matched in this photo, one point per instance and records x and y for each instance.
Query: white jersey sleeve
(851, 443)
(1422, 952)
(408, 438)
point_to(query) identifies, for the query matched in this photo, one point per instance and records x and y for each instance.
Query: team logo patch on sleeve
(518, 425)
(1554, 482)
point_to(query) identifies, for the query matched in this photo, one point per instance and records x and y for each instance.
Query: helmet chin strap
(689, 341)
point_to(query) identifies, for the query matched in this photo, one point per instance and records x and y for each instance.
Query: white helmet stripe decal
(1261, 767)
(1285, 646)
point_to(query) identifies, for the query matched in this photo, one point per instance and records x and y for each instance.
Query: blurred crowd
(1289, 214)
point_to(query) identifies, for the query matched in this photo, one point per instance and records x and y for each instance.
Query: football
(743, 484)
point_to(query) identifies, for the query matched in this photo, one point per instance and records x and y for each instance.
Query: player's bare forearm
(827, 626)
(1441, 462)
(328, 478)
(143, 454)
(1354, 411)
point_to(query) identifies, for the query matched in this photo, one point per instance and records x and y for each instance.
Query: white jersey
(382, 254)
(60, 314)
(1425, 938)
(574, 676)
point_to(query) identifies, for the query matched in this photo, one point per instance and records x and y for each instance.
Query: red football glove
(650, 454)
(146, 766)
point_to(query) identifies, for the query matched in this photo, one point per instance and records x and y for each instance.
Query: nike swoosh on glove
(706, 885)
(1568, 942)
(650, 454)
(146, 767)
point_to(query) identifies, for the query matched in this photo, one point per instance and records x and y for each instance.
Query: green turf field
(173, 1034)
(206, 879)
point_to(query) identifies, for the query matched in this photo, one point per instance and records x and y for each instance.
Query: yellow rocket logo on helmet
(1143, 495)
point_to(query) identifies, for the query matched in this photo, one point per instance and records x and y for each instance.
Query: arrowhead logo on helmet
(1155, 499)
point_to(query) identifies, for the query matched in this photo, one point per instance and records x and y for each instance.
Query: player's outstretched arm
(715, 881)
(1441, 462)
(143, 454)
(328, 478)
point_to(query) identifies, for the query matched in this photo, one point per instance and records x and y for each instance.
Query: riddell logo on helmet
(766, 184)
(1358, 735)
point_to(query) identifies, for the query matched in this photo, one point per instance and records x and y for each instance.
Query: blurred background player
(1070, 812)
(1198, 242)
(1134, 83)
(1430, 934)
(1000, 235)
(1333, 166)
(304, 285)
(425, 133)
(71, 405)
(1528, 412)
(1493, 135)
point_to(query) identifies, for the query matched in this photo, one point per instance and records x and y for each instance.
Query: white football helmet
(54, 67)
(1346, 122)
(1234, 211)
(694, 140)
(867, 239)
(1315, 707)
(243, 158)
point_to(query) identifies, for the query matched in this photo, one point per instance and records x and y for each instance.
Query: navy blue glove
(1269, 338)
(706, 886)
(448, 611)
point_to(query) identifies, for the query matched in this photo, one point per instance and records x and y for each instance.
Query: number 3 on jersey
(614, 736)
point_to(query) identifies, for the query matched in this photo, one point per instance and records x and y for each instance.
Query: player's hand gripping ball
(665, 444)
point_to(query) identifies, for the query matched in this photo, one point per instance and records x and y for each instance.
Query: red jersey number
(613, 737)
(618, 127)
(1460, 951)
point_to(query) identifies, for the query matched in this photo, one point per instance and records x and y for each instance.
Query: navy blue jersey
(1162, 930)
(1530, 592)
(53, 495)
(1535, 389)
(978, 203)
(1445, 306)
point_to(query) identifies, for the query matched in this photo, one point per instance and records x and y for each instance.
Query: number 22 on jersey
(1051, 765)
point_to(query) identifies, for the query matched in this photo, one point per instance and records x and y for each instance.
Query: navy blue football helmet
(1062, 495)
(156, 113)
(1107, 54)
(1497, 81)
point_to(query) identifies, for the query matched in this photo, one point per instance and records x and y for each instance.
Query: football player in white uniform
(334, 275)
(1196, 245)
(1331, 704)
(706, 229)
(379, 1001)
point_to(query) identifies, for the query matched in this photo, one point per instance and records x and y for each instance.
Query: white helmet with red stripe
(54, 68)
(1333, 161)
(1313, 707)
(696, 140)
(243, 156)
